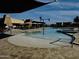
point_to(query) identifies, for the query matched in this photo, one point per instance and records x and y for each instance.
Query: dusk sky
(62, 10)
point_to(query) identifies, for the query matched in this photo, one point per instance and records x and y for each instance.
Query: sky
(59, 11)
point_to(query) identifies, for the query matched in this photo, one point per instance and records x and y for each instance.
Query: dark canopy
(17, 6)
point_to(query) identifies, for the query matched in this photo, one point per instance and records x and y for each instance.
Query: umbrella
(17, 6)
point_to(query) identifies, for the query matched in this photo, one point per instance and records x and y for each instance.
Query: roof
(9, 20)
(17, 21)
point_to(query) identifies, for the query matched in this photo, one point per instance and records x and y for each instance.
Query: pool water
(49, 34)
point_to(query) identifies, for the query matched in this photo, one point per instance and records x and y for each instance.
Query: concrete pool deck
(26, 41)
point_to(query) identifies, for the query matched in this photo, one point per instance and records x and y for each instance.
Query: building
(22, 24)
(33, 24)
(9, 21)
(58, 24)
(28, 23)
(67, 24)
(74, 24)
(17, 23)
(37, 24)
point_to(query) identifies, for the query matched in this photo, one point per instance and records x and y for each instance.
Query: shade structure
(18, 6)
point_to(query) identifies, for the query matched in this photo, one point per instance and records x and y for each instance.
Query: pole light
(43, 20)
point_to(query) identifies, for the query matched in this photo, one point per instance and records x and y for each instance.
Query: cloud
(74, 4)
(61, 13)
(59, 6)
(68, 0)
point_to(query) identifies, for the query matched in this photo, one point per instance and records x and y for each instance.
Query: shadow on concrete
(76, 44)
(4, 36)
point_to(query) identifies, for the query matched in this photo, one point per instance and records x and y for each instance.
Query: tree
(76, 19)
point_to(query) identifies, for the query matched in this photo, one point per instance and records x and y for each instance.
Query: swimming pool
(49, 34)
